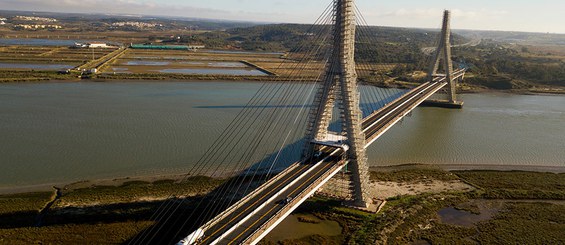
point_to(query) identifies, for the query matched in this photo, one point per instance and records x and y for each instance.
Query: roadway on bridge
(235, 225)
(241, 222)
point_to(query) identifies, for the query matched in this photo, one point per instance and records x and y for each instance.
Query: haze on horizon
(504, 15)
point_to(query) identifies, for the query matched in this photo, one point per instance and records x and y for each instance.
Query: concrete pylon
(443, 52)
(340, 85)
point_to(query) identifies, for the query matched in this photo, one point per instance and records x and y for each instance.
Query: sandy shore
(545, 169)
(87, 183)
(152, 178)
(460, 167)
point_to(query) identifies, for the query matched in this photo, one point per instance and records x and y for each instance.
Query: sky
(505, 15)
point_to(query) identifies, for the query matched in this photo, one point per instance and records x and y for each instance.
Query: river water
(60, 132)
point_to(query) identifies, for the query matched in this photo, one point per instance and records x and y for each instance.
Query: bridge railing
(272, 198)
(429, 91)
(392, 102)
(252, 194)
(458, 73)
(289, 207)
(454, 73)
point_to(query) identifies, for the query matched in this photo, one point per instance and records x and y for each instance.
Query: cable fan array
(265, 136)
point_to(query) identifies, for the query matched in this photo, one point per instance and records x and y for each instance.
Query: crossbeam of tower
(339, 87)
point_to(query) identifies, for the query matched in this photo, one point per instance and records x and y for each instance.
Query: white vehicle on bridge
(286, 200)
(192, 238)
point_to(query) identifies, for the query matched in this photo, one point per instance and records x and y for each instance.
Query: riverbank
(414, 209)
(472, 167)
(73, 185)
(51, 76)
(117, 181)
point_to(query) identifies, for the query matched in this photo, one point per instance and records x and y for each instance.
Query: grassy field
(413, 175)
(414, 219)
(516, 184)
(114, 214)
(150, 64)
(24, 202)
(528, 209)
(46, 62)
(7, 76)
(98, 214)
(101, 233)
(49, 55)
(140, 61)
(134, 191)
(112, 36)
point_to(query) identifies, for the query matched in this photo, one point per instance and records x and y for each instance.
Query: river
(61, 132)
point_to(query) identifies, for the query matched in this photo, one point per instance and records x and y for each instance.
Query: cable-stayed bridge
(254, 216)
(337, 135)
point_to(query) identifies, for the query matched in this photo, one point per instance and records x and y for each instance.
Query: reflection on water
(54, 132)
(207, 71)
(120, 69)
(492, 129)
(35, 66)
(147, 63)
(194, 63)
(485, 210)
(461, 217)
(36, 42)
(226, 64)
(240, 52)
(291, 228)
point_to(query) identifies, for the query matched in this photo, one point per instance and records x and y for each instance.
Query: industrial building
(98, 45)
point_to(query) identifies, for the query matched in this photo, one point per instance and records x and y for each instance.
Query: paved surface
(269, 199)
(239, 224)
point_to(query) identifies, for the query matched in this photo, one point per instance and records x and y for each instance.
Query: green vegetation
(517, 222)
(101, 233)
(97, 214)
(114, 214)
(403, 52)
(22, 208)
(516, 184)
(24, 202)
(376, 44)
(135, 191)
(502, 66)
(32, 76)
(414, 219)
(413, 175)
(525, 223)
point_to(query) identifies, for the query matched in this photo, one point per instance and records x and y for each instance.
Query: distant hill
(527, 38)
(100, 19)
(383, 44)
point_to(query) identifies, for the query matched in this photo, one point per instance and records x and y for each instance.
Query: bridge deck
(249, 220)
(238, 224)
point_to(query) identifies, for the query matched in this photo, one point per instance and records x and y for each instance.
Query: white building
(35, 27)
(98, 45)
(194, 47)
(33, 18)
